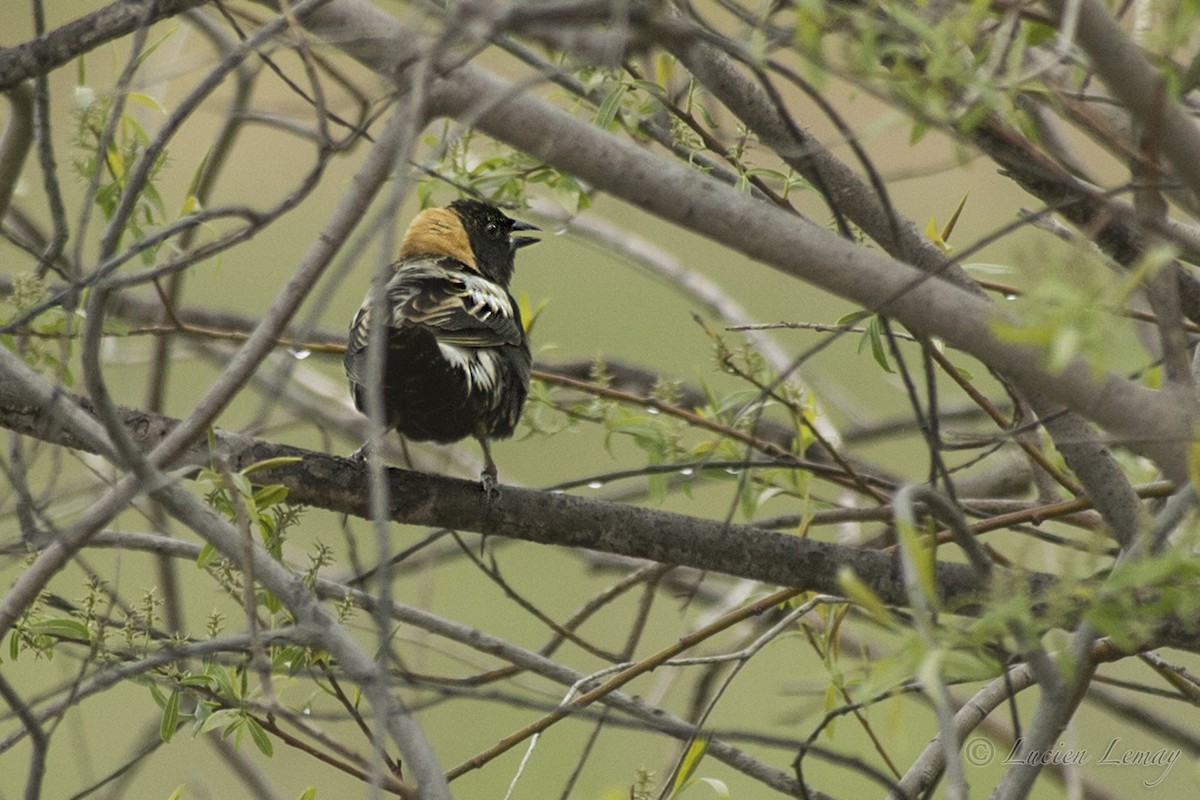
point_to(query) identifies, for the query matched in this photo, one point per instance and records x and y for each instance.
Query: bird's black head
(490, 233)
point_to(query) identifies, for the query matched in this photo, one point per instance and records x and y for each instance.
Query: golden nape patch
(438, 232)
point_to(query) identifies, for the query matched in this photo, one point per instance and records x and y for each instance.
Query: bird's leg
(488, 477)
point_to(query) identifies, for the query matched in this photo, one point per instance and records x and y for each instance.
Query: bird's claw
(487, 481)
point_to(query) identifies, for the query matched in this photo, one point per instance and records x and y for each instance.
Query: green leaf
(859, 593)
(1144, 269)
(199, 680)
(170, 718)
(747, 499)
(197, 176)
(691, 761)
(309, 794)
(652, 88)
(1193, 462)
(268, 599)
(114, 161)
(934, 235)
(259, 736)
(962, 373)
(242, 484)
(893, 670)
(919, 129)
(645, 433)
(922, 555)
(178, 793)
(949, 229)
(156, 693)
(208, 554)
(146, 100)
(267, 496)
(529, 312)
(1040, 32)
(607, 112)
(290, 659)
(853, 318)
(61, 628)
(874, 337)
(270, 463)
(765, 495)
(220, 719)
(974, 117)
(656, 488)
(191, 204)
(222, 679)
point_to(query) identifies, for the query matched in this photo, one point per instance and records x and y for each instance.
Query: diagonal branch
(61, 45)
(1134, 81)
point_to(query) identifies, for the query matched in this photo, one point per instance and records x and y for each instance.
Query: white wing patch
(457, 293)
(485, 300)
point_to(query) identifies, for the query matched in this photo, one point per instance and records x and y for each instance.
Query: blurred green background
(596, 306)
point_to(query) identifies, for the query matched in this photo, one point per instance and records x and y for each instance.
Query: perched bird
(457, 361)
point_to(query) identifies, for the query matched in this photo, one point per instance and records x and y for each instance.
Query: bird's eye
(492, 230)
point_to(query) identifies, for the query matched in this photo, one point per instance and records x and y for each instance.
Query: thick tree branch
(59, 46)
(337, 484)
(16, 142)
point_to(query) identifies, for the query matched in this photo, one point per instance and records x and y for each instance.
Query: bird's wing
(357, 344)
(459, 308)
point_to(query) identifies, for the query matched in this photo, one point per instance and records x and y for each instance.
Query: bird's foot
(359, 455)
(488, 477)
(487, 480)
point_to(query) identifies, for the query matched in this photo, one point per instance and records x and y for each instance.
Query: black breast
(428, 398)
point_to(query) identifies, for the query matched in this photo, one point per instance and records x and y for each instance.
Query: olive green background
(597, 305)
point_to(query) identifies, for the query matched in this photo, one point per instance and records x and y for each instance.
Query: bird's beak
(522, 241)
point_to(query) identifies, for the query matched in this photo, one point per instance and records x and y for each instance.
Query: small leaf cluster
(112, 161)
(953, 69)
(1067, 314)
(681, 444)
(500, 174)
(44, 340)
(37, 630)
(265, 507)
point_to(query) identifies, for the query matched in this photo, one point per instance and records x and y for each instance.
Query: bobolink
(457, 362)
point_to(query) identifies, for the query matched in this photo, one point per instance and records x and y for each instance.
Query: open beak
(522, 241)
